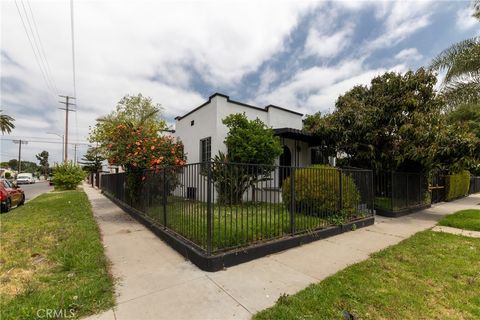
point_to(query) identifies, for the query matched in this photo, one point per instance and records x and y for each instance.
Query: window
(206, 149)
(192, 122)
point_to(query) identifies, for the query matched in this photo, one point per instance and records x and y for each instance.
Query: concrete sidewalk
(155, 282)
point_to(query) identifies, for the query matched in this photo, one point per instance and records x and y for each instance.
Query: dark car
(10, 195)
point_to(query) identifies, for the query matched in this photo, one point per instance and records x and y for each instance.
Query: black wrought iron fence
(220, 206)
(474, 185)
(400, 191)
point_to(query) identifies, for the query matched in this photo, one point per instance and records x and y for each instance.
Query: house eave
(296, 134)
(237, 103)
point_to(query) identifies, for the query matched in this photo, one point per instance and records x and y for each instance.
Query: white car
(25, 178)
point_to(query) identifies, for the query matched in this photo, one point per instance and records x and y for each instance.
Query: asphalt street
(36, 189)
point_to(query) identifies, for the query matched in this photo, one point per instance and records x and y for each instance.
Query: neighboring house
(203, 133)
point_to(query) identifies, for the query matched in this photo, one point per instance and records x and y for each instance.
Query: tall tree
(461, 62)
(6, 123)
(92, 160)
(396, 123)
(42, 157)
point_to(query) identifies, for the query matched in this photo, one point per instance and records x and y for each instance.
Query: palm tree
(6, 123)
(461, 61)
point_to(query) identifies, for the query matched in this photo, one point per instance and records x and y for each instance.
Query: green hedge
(457, 185)
(317, 192)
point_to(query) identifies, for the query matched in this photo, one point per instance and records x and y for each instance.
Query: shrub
(457, 185)
(232, 180)
(67, 176)
(317, 192)
(8, 175)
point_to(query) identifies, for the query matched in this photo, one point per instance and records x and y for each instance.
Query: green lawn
(428, 276)
(234, 225)
(465, 219)
(51, 257)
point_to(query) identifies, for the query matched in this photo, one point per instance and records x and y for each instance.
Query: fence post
(392, 179)
(165, 197)
(408, 194)
(340, 183)
(372, 191)
(209, 208)
(292, 201)
(420, 188)
(91, 179)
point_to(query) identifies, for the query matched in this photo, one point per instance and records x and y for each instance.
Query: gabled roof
(238, 103)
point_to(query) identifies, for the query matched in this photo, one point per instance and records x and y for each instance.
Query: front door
(285, 164)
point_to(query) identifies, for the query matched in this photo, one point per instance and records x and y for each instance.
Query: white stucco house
(202, 132)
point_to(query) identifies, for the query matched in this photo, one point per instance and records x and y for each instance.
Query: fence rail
(400, 191)
(219, 207)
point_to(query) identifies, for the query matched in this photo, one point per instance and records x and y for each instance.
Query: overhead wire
(33, 50)
(49, 70)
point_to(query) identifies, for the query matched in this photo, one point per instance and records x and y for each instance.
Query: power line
(33, 49)
(49, 70)
(53, 142)
(31, 137)
(35, 42)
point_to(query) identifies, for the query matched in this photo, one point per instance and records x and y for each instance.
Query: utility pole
(67, 109)
(19, 142)
(75, 154)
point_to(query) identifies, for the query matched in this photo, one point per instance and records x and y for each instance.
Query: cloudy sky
(296, 54)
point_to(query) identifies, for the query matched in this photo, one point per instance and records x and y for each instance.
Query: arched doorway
(285, 164)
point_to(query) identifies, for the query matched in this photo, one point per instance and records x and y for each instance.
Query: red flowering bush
(143, 148)
(132, 137)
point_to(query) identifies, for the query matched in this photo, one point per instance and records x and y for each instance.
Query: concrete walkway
(457, 231)
(155, 282)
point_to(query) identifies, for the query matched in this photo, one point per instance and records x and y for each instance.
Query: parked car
(10, 195)
(25, 178)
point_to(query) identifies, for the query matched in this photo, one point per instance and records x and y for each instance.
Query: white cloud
(126, 47)
(317, 88)
(325, 46)
(266, 79)
(410, 54)
(293, 92)
(401, 19)
(465, 20)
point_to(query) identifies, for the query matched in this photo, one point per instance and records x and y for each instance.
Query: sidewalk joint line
(221, 288)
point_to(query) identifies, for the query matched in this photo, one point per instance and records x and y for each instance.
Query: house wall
(278, 118)
(208, 123)
(205, 125)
